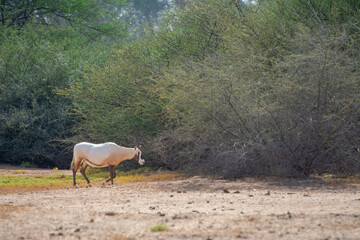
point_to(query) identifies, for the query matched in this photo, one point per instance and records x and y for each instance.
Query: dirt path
(195, 208)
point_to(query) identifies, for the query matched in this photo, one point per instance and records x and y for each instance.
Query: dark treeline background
(222, 87)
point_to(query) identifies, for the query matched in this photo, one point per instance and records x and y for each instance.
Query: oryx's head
(137, 156)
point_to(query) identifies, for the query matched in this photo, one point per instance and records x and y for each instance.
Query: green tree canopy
(93, 17)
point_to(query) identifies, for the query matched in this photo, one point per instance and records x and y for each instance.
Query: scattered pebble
(110, 213)
(161, 214)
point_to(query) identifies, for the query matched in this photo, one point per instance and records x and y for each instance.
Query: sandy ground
(194, 208)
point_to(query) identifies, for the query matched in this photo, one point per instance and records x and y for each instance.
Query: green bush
(281, 97)
(34, 119)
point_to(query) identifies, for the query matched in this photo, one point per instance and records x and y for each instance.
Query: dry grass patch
(147, 178)
(18, 172)
(120, 237)
(7, 209)
(334, 179)
(18, 184)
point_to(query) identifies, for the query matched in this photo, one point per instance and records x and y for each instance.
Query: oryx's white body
(102, 155)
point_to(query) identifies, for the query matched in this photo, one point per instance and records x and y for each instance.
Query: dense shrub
(224, 88)
(280, 97)
(35, 121)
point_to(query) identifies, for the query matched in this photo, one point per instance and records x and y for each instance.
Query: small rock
(236, 192)
(289, 214)
(110, 213)
(92, 220)
(161, 214)
(77, 230)
(307, 195)
(268, 193)
(171, 195)
(242, 212)
(152, 208)
(226, 191)
(250, 195)
(178, 191)
(190, 203)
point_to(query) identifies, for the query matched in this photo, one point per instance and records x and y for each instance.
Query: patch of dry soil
(194, 208)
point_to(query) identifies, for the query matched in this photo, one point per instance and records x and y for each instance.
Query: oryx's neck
(130, 153)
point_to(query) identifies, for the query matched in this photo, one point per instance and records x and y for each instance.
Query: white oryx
(102, 155)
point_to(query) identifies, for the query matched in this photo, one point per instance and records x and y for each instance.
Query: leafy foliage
(34, 119)
(223, 87)
(279, 97)
(93, 17)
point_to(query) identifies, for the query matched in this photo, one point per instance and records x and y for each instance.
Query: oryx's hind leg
(75, 168)
(82, 170)
(112, 174)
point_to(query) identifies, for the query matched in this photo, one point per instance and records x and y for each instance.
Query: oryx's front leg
(112, 174)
